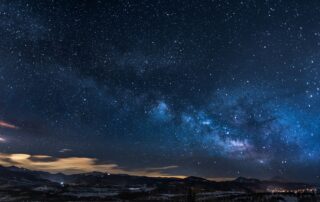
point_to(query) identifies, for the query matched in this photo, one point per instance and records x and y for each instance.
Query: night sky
(216, 89)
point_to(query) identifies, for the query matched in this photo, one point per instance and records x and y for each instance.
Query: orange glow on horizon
(74, 165)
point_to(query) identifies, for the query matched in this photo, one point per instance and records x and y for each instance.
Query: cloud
(72, 165)
(163, 168)
(3, 140)
(65, 150)
(4, 124)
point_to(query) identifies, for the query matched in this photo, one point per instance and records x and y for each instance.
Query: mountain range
(23, 184)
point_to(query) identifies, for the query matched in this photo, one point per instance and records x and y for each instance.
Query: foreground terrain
(18, 184)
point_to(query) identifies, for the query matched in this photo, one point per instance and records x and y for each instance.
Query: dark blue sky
(216, 89)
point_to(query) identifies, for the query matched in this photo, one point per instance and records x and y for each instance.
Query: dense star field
(217, 89)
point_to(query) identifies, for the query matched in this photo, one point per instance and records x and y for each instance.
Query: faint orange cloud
(4, 124)
(72, 165)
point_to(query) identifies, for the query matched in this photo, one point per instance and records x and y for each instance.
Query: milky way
(217, 89)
